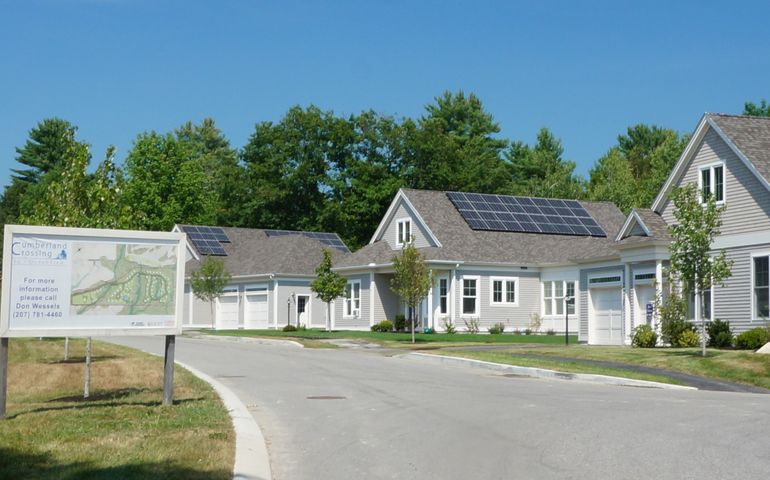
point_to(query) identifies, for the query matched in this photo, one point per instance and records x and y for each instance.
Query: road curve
(352, 414)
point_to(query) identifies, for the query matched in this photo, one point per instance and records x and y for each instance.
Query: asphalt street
(357, 414)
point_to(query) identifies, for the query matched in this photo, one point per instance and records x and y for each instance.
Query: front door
(440, 302)
(645, 297)
(303, 309)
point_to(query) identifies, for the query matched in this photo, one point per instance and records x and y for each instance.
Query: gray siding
(747, 201)
(512, 317)
(359, 323)
(418, 231)
(386, 304)
(733, 302)
(297, 287)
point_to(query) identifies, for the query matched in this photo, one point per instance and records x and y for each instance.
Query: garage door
(256, 311)
(607, 316)
(227, 312)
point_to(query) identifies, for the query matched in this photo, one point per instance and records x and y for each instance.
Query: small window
(353, 299)
(504, 291)
(470, 297)
(600, 280)
(712, 182)
(548, 298)
(761, 288)
(443, 290)
(570, 301)
(404, 234)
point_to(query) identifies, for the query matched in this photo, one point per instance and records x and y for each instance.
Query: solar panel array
(525, 214)
(329, 239)
(207, 240)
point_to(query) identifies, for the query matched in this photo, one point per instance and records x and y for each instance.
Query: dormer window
(404, 233)
(712, 182)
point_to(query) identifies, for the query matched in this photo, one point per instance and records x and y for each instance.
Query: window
(761, 287)
(504, 290)
(353, 299)
(470, 296)
(555, 294)
(599, 280)
(404, 234)
(712, 182)
(443, 290)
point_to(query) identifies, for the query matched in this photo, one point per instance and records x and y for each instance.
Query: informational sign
(91, 282)
(650, 310)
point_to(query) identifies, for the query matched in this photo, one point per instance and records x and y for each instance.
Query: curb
(251, 459)
(549, 374)
(257, 340)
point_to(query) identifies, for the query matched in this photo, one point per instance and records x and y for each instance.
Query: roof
(461, 243)
(652, 223)
(751, 135)
(252, 252)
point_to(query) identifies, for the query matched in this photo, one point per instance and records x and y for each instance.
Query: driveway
(357, 414)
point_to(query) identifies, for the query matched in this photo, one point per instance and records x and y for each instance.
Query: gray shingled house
(508, 259)
(271, 273)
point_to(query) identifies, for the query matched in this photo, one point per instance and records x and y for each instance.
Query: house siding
(421, 236)
(733, 301)
(747, 201)
(354, 323)
(297, 287)
(386, 304)
(517, 317)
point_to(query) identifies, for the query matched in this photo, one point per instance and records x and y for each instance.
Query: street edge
(257, 340)
(252, 461)
(549, 374)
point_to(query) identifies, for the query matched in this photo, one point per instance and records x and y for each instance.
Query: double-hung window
(712, 182)
(761, 287)
(443, 296)
(558, 295)
(353, 299)
(470, 296)
(404, 233)
(504, 291)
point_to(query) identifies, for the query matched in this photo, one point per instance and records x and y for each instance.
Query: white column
(452, 296)
(371, 298)
(275, 304)
(627, 321)
(430, 305)
(658, 294)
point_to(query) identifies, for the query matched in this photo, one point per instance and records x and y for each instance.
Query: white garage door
(607, 309)
(227, 312)
(256, 311)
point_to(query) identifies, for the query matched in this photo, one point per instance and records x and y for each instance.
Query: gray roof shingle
(751, 135)
(461, 243)
(654, 223)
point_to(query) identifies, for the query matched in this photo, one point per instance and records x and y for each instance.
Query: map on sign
(123, 279)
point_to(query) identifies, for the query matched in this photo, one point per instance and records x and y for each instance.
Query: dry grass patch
(121, 431)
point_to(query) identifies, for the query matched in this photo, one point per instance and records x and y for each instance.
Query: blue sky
(586, 69)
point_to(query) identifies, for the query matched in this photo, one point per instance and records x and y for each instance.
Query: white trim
(308, 308)
(552, 299)
(354, 313)
(758, 253)
(372, 296)
(275, 303)
(606, 274)
(477, 311)
(504, 291)
(403, 221)
(392, 210)
(712, 181)
(626, 230)
(437, 297)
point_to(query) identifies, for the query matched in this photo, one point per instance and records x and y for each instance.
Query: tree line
(315, 170)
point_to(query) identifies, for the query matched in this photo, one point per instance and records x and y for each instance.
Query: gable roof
(461, 243)
(654, 227)
(252, 252)
(748, 137)
(391, 212)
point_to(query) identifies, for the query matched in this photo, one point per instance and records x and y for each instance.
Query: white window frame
(476, 312)
(446, 295)
(554, 300)
(504, 302)
(349, 304)
(400, 224)
(712, 181)
(754, 316)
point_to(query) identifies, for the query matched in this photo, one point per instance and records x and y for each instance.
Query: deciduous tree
(327, 285)
(411, 279)
(209, 281)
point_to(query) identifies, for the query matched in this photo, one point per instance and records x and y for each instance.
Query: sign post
(168, 370)
(81, 282)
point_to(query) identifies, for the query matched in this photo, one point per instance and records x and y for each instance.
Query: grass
(436, 340)
(730, 365)
(121, 431)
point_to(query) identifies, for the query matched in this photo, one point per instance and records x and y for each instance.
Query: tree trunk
(700, 303)
(87, 386)
(328, 316)
(411, 320)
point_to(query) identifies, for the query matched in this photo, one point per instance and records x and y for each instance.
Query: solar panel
(525, 214)
(329, 239)
(207, 240)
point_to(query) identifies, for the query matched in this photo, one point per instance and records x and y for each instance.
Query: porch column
(658, 294)
(372, 289)
(627, 321)
(430, 304)
(452, 297)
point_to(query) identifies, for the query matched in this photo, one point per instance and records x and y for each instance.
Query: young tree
(209, 281)
(693, 233)
(327, 285)
(411, 280)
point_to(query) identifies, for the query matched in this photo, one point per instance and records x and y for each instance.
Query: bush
(497, 328)
(551, 331)
(644, 337)
(449, 325)
(673, 323)
(472, 325)
(290, 328)
(517, 331)
(720, 335)
(752, 339)
(429, 331)
(527, 331)
(688, 338)
(535, 322)
(400, 322)
(383, 326)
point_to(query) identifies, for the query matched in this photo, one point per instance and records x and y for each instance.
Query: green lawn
(731, 365)
(398, 339)
(122, 431)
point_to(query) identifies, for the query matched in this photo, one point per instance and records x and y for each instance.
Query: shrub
(290, 328)
(400, 322)
(752, 339)
(535, 322)
(517, 331)
(673, 322)
(472, 325)
(688, 338)
(449, 325)
(644, 337)
(527, 331)
(720, 335)
(551, 331)
(497, 328)
(383, 326)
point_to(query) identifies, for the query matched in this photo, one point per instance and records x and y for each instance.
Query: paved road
(403, 419)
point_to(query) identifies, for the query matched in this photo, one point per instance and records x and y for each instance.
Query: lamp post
(567, 301)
